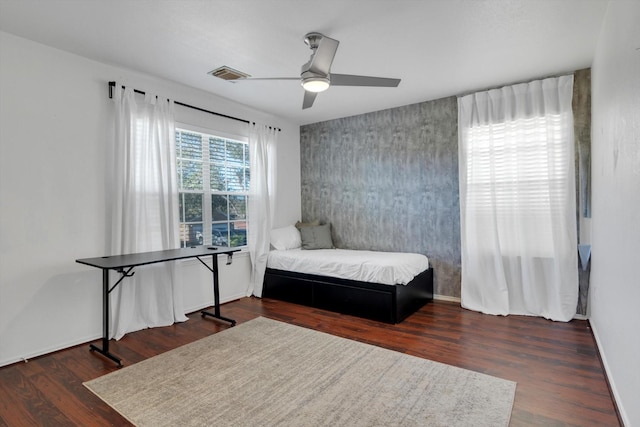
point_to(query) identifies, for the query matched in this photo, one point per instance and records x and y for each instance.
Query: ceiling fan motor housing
(313, 40)
(314, 83)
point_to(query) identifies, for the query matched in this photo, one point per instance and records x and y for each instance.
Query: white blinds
(517, 171)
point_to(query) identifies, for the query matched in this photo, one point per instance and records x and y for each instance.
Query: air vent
(227, 73)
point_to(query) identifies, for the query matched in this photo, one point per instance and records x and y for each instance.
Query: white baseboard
(25, 358)
(612, 385)
(85, 340)
(457, 299)
(446, 298)
(206, 304)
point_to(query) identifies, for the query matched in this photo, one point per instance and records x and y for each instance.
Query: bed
(382, 286)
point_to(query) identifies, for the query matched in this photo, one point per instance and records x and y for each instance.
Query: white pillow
(286, 238)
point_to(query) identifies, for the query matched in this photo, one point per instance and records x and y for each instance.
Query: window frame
(208, 192)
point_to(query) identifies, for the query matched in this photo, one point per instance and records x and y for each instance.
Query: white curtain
(262, 145)
(144, 211)
(517, 200)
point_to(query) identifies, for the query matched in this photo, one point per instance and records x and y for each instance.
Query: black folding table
(124, 264)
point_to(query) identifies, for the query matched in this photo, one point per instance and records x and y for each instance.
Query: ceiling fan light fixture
(315, 84)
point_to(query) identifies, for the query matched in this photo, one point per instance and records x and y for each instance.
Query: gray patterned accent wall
(388, 181)
(581, 105)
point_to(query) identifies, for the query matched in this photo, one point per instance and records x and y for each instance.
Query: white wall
(55, 125)
(615, 283)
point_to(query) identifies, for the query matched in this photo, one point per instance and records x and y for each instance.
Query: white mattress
(389, 268)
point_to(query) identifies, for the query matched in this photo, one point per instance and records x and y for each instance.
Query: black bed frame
(385, 303)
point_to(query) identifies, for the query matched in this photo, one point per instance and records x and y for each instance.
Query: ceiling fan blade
(351, 80)
(323, 57)
(309, 97)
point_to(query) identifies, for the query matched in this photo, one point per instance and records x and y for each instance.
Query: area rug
(268, 373)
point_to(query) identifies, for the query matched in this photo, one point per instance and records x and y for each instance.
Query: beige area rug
(268, 373)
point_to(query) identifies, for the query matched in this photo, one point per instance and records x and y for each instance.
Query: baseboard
(622, 416)
(457, 299)
(25, 358)
(206, 304)
(446, 298)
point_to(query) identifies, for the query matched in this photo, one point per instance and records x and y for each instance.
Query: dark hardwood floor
(556, 365)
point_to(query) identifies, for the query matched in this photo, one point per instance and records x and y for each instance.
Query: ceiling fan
(316, 75)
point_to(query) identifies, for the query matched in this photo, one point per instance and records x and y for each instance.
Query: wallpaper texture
(388, 181)
(581, 105)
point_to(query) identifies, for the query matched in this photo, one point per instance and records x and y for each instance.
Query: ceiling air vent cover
(228, 73)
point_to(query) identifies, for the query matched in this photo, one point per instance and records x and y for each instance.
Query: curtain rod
(113, 84)
(548, 76)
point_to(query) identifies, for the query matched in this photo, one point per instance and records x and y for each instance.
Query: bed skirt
(385, 303)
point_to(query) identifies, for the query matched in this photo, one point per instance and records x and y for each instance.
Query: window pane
(247, 179)
(235, 153)
(220, 234)
(190, 207)
(237, 207)
(218, 182)
(191, 235)
(238, 233)
(189, 144)
(219, 211)
(216, 150)
(191, 174)
(235, 179)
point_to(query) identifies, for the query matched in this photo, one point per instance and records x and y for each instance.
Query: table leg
(105, 322)
(216, 295)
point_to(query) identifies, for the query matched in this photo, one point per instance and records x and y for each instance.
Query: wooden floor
(559, 376)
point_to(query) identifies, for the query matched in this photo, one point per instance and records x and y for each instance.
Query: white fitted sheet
(389, 268)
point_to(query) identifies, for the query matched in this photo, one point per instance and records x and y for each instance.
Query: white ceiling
(437, 47)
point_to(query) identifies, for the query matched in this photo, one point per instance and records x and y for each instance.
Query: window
(517, 176)
(213, 181)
